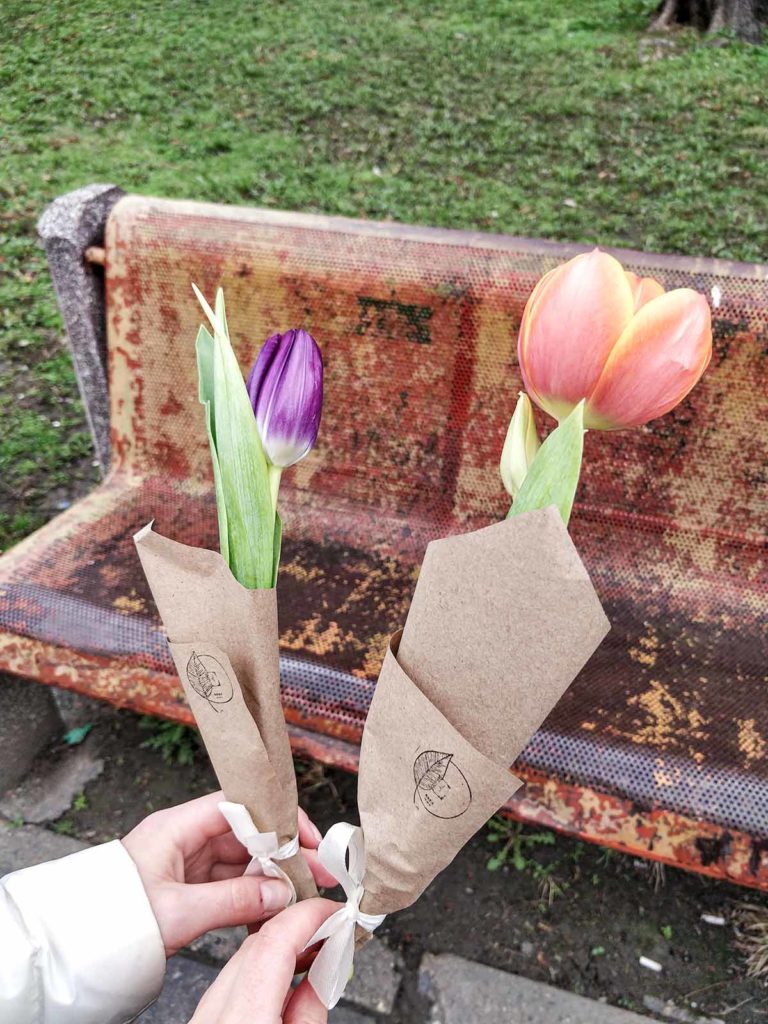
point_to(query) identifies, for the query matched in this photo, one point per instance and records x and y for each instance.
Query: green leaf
(243, 470)
(240, 466)
(221, 313)
(519, 861)
(204, 349)
(554, 474)
(78, 734)
(211, 316)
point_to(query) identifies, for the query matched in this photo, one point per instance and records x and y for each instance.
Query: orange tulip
(592, 330)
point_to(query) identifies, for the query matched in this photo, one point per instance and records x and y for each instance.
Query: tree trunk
(744, 18)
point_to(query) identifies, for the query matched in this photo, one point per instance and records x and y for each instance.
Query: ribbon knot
(342, 852)
(263, 847)
(352, 906)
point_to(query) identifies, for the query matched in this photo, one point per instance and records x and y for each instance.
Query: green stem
(275, 472)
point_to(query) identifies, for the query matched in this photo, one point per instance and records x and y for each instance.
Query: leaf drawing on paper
(442, 788)
(198, 676)
(430, 767)
(207, 677)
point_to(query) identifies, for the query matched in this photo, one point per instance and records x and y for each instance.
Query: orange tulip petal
(657, 360)
(522, 337)
(573, 319)
(643, 288)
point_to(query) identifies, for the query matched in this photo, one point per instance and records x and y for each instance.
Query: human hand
(255, 986)
(192, 867)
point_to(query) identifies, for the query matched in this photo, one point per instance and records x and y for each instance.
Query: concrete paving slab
(29, 721)
(346, 1015)
(218, 946)
(75, 709)
(22, 847)
(47, 793)
(185, 982)
(464, 992)
(374, 984)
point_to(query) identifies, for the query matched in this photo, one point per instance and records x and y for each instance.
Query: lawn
(536, 118)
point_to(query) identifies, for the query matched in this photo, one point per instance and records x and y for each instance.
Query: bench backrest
(418, 329)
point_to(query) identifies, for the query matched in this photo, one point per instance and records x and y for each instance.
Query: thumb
(189, 910)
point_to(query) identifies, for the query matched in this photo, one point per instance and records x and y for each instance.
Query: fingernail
(275, 895)
(316, 832)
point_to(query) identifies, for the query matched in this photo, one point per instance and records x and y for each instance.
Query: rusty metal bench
(661, 746)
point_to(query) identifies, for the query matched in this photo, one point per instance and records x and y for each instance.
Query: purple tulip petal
(286, 391)
(261, 367)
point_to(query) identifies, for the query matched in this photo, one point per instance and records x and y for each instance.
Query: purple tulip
(286, 391)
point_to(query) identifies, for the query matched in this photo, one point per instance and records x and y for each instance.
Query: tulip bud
(595, 332)
(285, 387)
(520, 446)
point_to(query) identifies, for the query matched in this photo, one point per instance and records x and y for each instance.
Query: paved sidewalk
(185, 982)
(463, 992)
(25, 845)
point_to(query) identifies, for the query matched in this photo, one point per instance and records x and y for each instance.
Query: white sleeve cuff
(97, 956)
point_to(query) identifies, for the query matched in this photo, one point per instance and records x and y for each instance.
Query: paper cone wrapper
(224, 642)
(502, 620)
(424, 791)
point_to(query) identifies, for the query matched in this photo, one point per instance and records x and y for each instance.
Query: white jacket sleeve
(79, 943)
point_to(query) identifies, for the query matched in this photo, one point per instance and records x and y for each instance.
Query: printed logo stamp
(441, 786)
(209, 679)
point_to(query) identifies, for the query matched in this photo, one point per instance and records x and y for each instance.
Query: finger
(197, 821)
(309, 834)
(228, 865)
(268, 968)
(221, 871)
(228, 849)
(304, 960)
(304, 1007)
(216, 998)
(190, 910)
(321, 875)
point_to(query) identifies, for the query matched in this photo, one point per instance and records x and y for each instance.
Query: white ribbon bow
(262, 846)
(332, 968)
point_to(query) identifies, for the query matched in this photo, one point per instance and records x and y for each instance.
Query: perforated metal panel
(661, 745)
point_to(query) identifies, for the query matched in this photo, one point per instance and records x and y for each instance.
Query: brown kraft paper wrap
(224, 642)
(502, 620)
(429, 791)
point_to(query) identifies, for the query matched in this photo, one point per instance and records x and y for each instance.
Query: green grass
(543, 119)
(177, 743)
